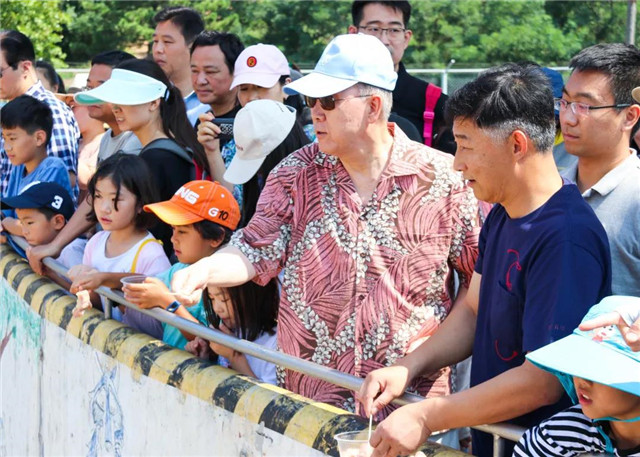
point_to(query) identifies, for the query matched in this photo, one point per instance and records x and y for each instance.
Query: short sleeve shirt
(65, 136)
(194, 107)
(363, 284)
(51, 169)
(126, 142)
(145, 257)
(170, 334)
(615, 198)
(567, 434)
(540, 275)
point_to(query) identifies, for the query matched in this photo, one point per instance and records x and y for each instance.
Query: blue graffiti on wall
(106, 415)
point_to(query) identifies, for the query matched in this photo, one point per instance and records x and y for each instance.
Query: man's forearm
(509, 395)
(12, 225)
(450, 344)
(77, 225)
(229, 267)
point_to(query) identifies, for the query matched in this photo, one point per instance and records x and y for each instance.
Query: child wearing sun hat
(601, 374)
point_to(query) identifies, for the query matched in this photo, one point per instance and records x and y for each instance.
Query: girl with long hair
(145, 102)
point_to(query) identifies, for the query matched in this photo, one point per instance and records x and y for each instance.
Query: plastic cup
(354, 444)
(133, 279)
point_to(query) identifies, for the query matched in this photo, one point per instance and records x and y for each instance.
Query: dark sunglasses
(329, 102)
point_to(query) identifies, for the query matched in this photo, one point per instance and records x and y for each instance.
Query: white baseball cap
(258, 129)
(125, 87)
(260, 64)
(348, 60)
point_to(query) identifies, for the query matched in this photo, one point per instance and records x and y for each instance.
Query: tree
(486, 33)
(592, 22)
(473, 32)
(43, 25)
(98, 26)
(521, 31)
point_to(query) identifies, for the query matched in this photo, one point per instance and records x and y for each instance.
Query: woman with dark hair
(49, 78)
(173, 116)
(260, 73)
(145, 102)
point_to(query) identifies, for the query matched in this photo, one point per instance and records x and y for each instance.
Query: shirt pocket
(506, 324)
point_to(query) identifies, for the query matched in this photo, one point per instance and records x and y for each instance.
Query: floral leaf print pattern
(363, 282)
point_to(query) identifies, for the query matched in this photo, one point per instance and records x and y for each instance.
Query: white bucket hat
(346, 61)
(125, 87)
(258, 129)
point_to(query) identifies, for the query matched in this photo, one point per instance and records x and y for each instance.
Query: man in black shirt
(213, 55)
(388, 20)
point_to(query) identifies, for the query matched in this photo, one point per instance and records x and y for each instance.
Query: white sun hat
(258, 129)
(125, 87)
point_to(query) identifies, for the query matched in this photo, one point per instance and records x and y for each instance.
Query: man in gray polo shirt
(598, 117)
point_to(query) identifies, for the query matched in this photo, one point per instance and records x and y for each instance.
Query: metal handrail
(339, 378)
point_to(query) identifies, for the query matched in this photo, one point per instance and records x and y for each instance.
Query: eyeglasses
(582, 109)
(394, 33)
(329, 102)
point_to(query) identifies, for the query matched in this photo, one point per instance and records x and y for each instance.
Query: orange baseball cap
(197, 201)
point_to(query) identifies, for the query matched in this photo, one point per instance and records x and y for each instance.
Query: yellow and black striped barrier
(310, 423)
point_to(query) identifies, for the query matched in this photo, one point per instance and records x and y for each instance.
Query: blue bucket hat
(600, 355)
(346, 61)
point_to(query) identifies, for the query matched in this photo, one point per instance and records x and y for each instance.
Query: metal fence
(500, 431)
(449, 79)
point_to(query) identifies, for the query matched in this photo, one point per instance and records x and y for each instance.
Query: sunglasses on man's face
(329, 102)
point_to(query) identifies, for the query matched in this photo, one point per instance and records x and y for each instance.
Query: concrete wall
(92, 386)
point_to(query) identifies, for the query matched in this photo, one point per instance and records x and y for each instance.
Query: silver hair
(542, 138)
(385, 95)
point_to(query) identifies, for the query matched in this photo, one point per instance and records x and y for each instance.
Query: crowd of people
(356, 217)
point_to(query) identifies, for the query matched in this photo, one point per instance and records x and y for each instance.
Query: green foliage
(42, 22)
(482, 33)
(98, 26)
(473, 32)
(591, 22)
(300, 28)
(525, 32)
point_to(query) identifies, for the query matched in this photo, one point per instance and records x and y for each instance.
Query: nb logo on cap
(189, 195)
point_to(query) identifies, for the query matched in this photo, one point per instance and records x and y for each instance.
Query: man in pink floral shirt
(367, 226)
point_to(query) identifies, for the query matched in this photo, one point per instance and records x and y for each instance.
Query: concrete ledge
(310, 423)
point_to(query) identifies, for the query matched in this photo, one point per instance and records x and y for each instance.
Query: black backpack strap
(170, 145)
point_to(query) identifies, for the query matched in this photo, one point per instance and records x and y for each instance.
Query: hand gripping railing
(499, 431)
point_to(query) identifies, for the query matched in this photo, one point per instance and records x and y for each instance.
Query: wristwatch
(173, 307)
